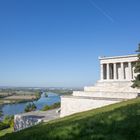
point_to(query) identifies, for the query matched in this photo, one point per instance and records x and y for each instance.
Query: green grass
(6, 131)
(4, 125)
(120, 121)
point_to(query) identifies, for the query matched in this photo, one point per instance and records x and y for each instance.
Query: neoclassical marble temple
(120, 68)
(116, 75)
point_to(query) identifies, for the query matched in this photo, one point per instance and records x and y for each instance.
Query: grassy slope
(115, 122)
(5, 131)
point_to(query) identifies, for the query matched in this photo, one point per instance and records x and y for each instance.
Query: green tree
(9, 120)
(136, 82)
(30, 107)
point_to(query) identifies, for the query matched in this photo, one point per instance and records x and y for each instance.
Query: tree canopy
(136, 82)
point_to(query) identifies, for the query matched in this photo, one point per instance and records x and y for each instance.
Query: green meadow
(119, 121)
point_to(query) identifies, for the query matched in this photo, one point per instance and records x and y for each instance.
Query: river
(12, 109)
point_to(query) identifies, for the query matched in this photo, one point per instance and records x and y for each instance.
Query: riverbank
(17, 99)
(43, 103)
(13, 96)
(18, 107)
(61, 91)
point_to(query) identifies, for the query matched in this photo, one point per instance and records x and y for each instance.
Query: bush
(9, 120)
(4, 126)
(30, 107)
(47, 107)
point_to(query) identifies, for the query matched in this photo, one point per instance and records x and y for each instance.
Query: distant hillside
(120, 121)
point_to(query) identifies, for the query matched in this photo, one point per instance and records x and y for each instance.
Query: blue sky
(57, 42)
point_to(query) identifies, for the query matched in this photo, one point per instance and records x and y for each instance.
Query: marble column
(115, 71)
(130, 70)
(122, 71)
(108, 71)
(133, 71)
(102, 71)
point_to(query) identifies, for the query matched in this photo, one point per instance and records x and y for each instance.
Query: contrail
(101, 10)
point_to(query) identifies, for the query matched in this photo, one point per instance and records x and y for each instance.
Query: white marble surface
(73, 104)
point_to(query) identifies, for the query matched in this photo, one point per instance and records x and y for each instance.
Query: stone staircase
(118, 90)
(111, 86)
(101, 94)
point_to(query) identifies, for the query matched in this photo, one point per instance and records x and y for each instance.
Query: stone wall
(102, 94)
(22, 122)
(25, 120)
(73, 104)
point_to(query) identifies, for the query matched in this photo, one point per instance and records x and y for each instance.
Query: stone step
(125, 95)
(112, 87)
(94, 98)
(115, 84)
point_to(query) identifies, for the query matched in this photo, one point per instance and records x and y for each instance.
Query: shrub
(9, 120)
(4, 126)
(136, 82)
(30, 107)
(47, 107)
